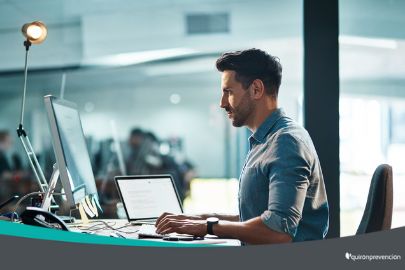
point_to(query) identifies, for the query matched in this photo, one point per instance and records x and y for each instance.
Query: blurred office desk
(121, 228)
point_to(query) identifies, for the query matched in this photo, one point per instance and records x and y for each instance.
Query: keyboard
(148, 231)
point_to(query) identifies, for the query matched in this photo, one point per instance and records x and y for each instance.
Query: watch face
(212, 219)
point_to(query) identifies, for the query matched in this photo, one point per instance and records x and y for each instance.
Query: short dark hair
(253, 64)
(137, 132)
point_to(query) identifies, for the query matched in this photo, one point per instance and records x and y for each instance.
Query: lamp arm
(27, 45)
(39, 175)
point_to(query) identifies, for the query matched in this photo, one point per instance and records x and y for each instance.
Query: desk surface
(107, 227)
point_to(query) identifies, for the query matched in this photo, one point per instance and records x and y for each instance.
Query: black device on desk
(10, 200)
(39, 217)
(9, 215)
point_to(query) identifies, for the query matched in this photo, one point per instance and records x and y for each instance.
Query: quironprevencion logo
(372, 257)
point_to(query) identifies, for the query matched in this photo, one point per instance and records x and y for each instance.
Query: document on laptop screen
(148, 198)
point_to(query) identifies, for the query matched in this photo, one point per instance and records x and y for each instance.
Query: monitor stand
(48, 198)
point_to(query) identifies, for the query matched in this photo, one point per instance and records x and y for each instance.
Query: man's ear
(258, 89)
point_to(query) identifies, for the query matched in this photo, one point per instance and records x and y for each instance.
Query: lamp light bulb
(34, 31)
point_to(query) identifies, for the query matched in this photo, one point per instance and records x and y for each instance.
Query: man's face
(135, 141)
(6, 143)
(235, 99)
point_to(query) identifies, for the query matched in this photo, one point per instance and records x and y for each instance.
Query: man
(282, 195)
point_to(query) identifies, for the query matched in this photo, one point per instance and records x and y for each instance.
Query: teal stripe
(26, 231)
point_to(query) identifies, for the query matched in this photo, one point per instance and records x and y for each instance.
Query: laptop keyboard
(149, 231)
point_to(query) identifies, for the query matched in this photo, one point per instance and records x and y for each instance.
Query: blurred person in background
(145, 158)
(138, 147)
(13, 179)
(10, 163)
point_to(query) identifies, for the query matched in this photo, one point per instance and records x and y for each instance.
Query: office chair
(377, 215)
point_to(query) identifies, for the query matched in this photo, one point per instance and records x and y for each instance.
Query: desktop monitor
(70, 149)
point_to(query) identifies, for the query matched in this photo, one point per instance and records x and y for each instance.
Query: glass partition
(372, 46)
(148, 66)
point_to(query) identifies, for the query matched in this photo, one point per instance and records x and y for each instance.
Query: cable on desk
(126, 226)
(27, 196)
(106, 225)
(96, 227)
(22, 199)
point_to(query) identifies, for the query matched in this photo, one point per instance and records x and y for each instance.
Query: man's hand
(176, 216)
(252, 231)
(169, 223)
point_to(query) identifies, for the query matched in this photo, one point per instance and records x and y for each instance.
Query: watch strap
(210, 224)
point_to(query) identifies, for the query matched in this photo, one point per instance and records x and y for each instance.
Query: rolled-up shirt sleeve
(288, 173)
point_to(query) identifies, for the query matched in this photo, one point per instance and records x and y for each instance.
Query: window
(371, 116)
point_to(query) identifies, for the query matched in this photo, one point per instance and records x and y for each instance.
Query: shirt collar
(266, 126)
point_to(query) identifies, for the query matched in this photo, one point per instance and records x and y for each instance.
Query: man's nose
(224, 102)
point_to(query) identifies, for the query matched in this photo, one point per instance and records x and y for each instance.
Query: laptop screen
(149, 196)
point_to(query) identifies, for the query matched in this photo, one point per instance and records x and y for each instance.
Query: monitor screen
(70, 149)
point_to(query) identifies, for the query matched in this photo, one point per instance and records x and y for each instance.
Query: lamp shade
(35, 32)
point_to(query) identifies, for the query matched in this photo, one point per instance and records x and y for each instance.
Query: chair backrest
(377, 215)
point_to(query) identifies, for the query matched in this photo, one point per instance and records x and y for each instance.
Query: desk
(105, 227)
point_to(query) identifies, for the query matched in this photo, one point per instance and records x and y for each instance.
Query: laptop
(146, 197)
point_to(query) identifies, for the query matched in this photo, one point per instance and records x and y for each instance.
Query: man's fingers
(168, 224)
(184, 228)
(163, 222)
(168, 230)
(169, 215)
(180, 227)
(162, 216)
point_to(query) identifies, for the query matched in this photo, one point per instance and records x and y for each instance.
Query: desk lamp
(35, 33)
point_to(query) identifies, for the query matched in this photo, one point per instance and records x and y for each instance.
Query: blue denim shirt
(282, 180)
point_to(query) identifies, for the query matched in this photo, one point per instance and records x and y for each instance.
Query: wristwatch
(210, 223)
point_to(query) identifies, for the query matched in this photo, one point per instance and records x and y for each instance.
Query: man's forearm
(253, 231)
(221, 216)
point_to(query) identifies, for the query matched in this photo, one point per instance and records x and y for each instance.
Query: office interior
(148, 68)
